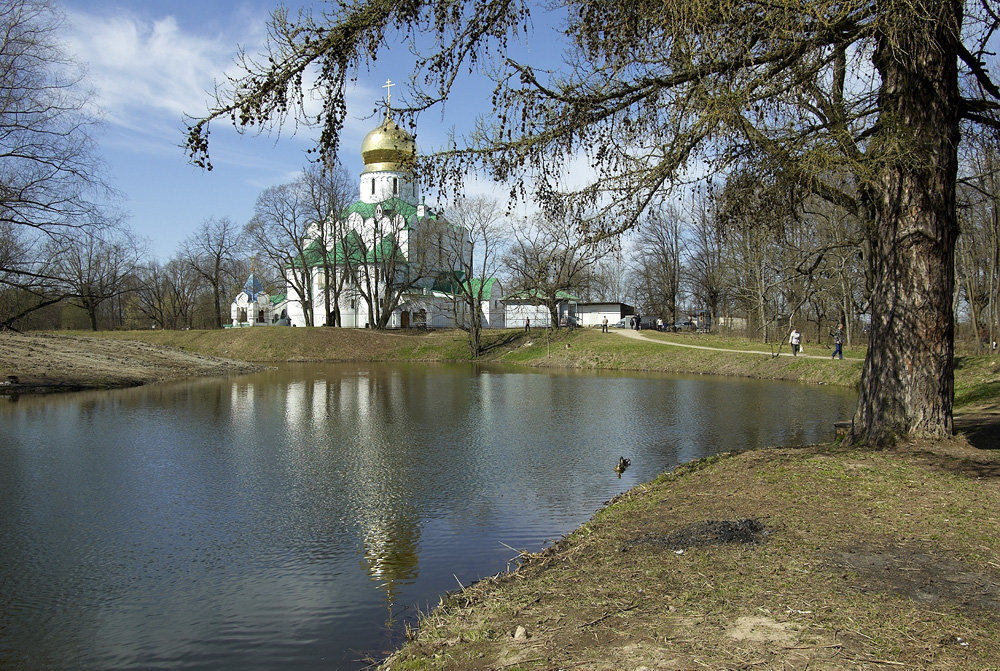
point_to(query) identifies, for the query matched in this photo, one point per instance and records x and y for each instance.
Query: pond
(298, 517)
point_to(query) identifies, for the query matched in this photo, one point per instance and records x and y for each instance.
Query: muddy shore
(39, 363)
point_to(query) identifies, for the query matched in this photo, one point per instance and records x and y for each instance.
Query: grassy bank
(819, 558)
(977, 377)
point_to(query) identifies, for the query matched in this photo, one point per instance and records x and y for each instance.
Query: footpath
(637, 335)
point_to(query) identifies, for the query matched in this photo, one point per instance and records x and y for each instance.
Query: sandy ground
(44, 362)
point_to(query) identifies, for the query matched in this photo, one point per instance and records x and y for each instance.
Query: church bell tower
(390, 154)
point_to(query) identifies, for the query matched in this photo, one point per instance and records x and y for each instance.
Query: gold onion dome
(388, 147)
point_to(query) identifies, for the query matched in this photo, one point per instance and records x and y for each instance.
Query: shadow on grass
(503, 342)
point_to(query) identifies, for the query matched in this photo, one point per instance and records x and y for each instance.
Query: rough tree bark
(907, 385)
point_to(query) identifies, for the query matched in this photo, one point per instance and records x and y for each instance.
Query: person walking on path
(838, 342)
(795, 340)
(604, 325)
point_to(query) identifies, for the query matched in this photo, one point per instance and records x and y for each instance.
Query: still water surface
(296, 518)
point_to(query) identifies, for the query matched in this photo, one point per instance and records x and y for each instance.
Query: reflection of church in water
(388, 221)
(378, 503)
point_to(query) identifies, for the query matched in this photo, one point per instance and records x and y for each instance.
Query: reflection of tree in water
(390, 551)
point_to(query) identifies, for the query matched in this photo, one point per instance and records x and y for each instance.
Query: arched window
(395, 186)
(373, 186)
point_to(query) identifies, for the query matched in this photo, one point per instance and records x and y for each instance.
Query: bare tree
(166, 293)
(327, 191)
(211, 252)
(153, 294)
(47, 157)
(29, 278)
(978, 248)
(658, 270)
(481, 222)
(49, 172)
(549, 257)
(97, 268)
(607, 280)
(706, 267)
(283, 228)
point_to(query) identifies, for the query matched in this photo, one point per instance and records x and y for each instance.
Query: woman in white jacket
(795, 340)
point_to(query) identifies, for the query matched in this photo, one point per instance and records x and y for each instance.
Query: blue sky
(150, 62)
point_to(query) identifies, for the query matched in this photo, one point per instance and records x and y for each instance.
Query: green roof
(487, 287)
(397, 205)
(449, 281)
(350, 249)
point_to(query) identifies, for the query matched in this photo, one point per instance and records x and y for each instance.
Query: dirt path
(637, 335)
(44, 362)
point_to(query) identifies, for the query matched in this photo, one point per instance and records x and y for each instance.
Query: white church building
(395, 259)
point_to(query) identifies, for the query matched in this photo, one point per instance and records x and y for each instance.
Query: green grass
(977, 378)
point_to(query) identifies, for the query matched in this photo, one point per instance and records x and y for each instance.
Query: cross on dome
(388, 91)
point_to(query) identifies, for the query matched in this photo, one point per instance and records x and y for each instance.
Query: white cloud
(142, 67)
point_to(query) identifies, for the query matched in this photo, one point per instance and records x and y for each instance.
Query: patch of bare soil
(920, 575)
(699, 534)
(45, 362)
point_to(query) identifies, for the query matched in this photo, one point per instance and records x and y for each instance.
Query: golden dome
(388, 147)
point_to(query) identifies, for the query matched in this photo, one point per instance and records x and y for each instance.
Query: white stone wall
(591, 315)
(515, 315)
(382, 185)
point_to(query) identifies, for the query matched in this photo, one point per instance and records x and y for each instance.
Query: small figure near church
(604, 325)
(527, 324)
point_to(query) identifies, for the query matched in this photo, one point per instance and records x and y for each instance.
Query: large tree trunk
(217, 299)
(91, 308)
(907, 385)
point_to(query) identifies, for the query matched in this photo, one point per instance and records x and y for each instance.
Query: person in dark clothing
(838, 342)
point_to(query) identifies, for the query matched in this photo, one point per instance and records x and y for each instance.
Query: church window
(373, 186)
(395, 186)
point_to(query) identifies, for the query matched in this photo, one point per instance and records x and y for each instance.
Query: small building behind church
(593, 314)
(527, 308)
(255, 307)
